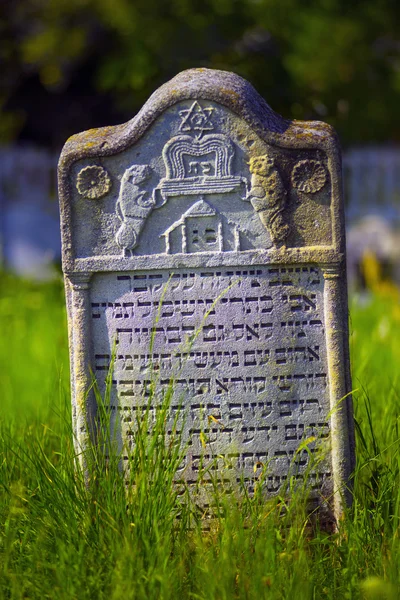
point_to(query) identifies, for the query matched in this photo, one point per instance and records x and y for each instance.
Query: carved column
(336, 332)
(79, 317)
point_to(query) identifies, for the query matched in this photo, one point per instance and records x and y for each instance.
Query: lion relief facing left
(268, 197)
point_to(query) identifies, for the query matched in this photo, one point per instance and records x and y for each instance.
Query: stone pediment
(203, 133)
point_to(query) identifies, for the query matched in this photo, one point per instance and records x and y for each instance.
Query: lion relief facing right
(134, 205)
(269, 197)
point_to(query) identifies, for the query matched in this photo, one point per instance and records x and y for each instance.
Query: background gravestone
(205, 239)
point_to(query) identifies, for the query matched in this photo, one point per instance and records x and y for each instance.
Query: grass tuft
(62, 537)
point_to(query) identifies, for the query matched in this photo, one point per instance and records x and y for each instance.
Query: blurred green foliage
(329, 59)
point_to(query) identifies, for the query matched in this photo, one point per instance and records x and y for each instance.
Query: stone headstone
(204, 241)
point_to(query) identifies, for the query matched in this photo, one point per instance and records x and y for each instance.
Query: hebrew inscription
(245, 352)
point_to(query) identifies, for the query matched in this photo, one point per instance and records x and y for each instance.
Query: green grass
(63, 539)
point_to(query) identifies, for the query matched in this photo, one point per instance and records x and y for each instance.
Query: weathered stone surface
(205, 237)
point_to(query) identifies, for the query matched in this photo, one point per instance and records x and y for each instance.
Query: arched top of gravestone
(205, 152)
(225, 88)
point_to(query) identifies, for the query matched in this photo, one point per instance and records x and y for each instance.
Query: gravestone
(204, 241)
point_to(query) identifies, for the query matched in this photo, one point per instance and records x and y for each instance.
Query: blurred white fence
(372, 183)
(29, 220)
(29, 217)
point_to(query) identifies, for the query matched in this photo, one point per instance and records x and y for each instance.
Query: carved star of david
(196, 119)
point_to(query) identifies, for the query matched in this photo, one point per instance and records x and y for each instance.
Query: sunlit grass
(64, 537)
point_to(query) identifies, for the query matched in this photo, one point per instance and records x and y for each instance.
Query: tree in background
(68, 65)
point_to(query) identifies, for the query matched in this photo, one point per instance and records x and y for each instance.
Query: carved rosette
(309, 176)
(93, 182)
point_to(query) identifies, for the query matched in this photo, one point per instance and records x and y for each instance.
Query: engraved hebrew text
(245, 353)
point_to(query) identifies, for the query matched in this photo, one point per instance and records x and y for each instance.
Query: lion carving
(268, 197)
(133, 206)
